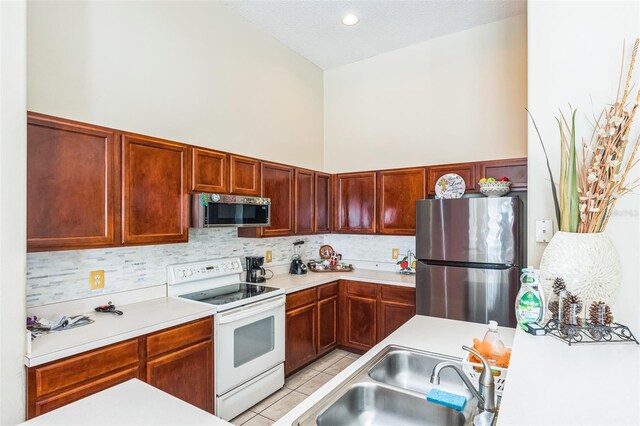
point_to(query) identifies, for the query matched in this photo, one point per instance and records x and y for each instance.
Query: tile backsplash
(61, 276)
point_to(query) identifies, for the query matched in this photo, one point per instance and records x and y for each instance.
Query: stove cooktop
(228, 296)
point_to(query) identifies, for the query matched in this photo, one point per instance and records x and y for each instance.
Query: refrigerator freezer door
(467, 294)
(474, 230)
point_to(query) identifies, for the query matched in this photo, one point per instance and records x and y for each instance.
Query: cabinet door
(358, 305)
(398, 191)
(304, 202)
(327, 317)
(244, 175)
(277, 184)
(322, 203)
(71, 187)
(186, 374)
(467, 172)
(154, 191)
(355, 203)
(209, 171)
(397, 306)
(300, 341)
(515, 169)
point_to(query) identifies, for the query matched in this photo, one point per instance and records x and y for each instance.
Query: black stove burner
(229, 294)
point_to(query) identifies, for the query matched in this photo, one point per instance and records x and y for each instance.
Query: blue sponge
(451, 400)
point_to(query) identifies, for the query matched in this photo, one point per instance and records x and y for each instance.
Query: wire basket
(473, 370)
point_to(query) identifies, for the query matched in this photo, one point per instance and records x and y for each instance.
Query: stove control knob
(181, 274)
(189, 272)
(236, 264)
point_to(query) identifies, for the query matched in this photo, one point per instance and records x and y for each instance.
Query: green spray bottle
(530, 303)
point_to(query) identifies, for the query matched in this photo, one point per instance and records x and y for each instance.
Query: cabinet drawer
(81, 368)
(396, 294)
(301, 298)
(327, 290)
(362, 289)
(178, 337)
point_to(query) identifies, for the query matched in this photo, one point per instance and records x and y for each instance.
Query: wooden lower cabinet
(300, 343)
(327, 317)
(180, 367)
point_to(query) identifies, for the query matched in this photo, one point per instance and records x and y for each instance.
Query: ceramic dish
(450, 185)
(495, 189)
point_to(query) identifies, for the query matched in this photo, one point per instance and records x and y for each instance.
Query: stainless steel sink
(408, 369)
(373, 404)
(390, 390)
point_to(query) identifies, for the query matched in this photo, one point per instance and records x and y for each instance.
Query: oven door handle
(249, 311)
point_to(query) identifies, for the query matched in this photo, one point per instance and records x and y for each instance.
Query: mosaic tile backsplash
(64, 275)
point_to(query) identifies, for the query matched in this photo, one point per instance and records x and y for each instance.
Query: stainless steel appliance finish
(391, 389)
(469, 252)
(219, 210)
(249, 330)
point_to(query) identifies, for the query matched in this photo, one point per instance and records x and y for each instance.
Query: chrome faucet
(486, 392)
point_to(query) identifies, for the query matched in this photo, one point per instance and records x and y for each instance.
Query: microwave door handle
(247, 312)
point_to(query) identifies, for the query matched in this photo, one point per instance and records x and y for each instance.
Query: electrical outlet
(96, 280)
(269, 256)
(395, 253)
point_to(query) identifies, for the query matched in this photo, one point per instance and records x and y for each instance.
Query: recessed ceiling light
(350, 19)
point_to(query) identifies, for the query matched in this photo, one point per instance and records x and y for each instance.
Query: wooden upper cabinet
(398, 191)
(304, 202)
(71, 184)
(244, 175)
(355, 203)
(322, 207)
(154, 184)
(515, 169)
(466, 170)
(209, 171)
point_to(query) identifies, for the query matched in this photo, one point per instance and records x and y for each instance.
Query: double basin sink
(391, 390)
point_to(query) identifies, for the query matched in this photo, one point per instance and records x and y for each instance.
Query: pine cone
(554, 308)
(559, 285)
(600, 314)
(571, 310)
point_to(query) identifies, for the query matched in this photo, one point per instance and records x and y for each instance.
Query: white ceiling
(314, 29)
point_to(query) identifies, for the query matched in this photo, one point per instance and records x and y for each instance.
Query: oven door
(249, 341)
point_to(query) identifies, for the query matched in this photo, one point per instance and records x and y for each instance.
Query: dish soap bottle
(530, 299)
(492, 347)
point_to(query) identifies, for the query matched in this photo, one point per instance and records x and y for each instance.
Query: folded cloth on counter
(40, 326)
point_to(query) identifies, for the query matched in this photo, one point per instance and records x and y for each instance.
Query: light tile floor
(296, 389)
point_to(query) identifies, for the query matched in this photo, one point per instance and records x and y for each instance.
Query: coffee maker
(255, 271)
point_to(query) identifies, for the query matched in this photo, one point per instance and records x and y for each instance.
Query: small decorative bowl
(495, 189)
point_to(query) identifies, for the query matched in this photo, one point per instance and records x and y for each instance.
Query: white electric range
(249, 330)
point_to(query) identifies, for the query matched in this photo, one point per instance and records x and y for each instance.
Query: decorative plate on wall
(450, 185)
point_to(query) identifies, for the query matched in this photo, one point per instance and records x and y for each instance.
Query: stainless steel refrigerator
(469, 253)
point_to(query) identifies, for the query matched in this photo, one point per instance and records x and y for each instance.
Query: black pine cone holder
(590, 333)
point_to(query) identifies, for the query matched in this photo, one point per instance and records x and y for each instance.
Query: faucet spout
(486, 392)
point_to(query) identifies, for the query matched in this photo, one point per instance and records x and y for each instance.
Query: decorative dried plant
(590, 186)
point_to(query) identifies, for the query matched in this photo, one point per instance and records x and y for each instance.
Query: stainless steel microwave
(212, 210)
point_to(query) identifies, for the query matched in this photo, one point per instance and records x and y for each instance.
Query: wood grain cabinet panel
(179, 337)
(71, 184)
(301, 340)
(362, 323)
(515, 169)
(186, 374)
(398, 191)
(304, 202)
(397, 306)
(466, 170)
(323, 199)
(355, 203)
(209, 171)
(277, 184)
(327, 317)
(154, 191)
(244, 175)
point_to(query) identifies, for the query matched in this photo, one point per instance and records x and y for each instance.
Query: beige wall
(570, 65)
(191, 71)
(13, 143)
(459, 97)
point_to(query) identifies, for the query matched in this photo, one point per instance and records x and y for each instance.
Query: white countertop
(138, 319)
(421, 332)
(129, 403)
(293, 283)
(552, 383)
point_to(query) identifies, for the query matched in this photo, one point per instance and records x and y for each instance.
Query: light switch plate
(96, 279)
(394, 253)
(269, 257)
(544, 230)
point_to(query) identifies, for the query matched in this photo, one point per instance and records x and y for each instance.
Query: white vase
(588, 263)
